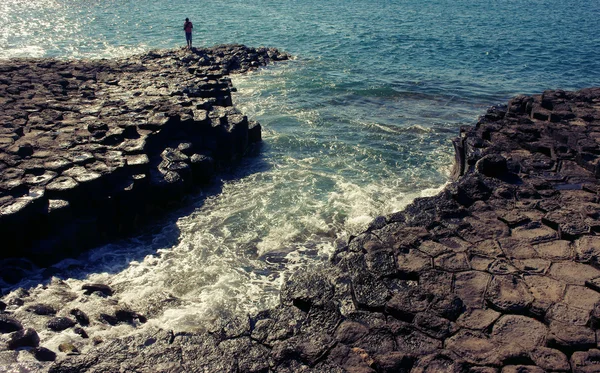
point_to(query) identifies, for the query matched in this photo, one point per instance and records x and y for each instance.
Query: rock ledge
(90, 149)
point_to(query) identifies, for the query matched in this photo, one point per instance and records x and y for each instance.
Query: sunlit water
(356, 126)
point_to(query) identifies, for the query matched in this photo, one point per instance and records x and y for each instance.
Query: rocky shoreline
(500, 272)
(90, 149)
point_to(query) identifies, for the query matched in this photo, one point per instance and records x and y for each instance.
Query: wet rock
(470, 190)
(58, 324)
(91, 288)
(68, 348)
(80, 316)
(44, 354)
(322, 319)
(279, 324)
(41, 309)
(108, 319)
(23, 338)
(15, 269)
(497, 273)
(369, 291)
(126, 316)
(81, 332)
(305, 289)
(76, 151)
(381, 262)
(9, 324)
(253, 358)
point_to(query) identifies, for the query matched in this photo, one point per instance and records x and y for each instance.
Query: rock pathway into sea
(90, 149)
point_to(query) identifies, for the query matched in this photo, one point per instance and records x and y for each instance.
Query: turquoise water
(356, 126)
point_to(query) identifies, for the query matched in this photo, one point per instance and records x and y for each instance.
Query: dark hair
(187, 19)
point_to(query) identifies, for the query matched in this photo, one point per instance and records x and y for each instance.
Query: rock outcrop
(90, 149)
(500, 272)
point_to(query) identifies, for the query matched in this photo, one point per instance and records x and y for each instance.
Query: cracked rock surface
(500, 272)
(90, 149)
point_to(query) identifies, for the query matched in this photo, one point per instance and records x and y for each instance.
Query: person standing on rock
(187, 27)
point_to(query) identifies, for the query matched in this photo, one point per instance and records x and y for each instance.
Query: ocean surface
(357, 125)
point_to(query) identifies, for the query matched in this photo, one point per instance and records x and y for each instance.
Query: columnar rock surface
(500, 272)
(88, 149)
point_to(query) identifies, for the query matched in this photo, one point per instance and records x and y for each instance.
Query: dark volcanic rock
(41, 309)
(493, 165)
(306, 289)
(9, 324)
(80, 316)
(44, 354)
(101, 288)
(23, 338)
(108, 319)
(90, 150)
(497, 273)
(58, 324)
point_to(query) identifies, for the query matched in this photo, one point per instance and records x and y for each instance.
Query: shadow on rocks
(22, 272)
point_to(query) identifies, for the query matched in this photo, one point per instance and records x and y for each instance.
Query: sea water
(357, 125)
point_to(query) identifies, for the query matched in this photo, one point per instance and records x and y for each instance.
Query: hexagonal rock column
(90, 149)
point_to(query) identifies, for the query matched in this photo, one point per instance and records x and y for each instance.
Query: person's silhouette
(187, 27)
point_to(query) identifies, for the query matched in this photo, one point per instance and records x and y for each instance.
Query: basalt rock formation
(500, 272)
(90, 149)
